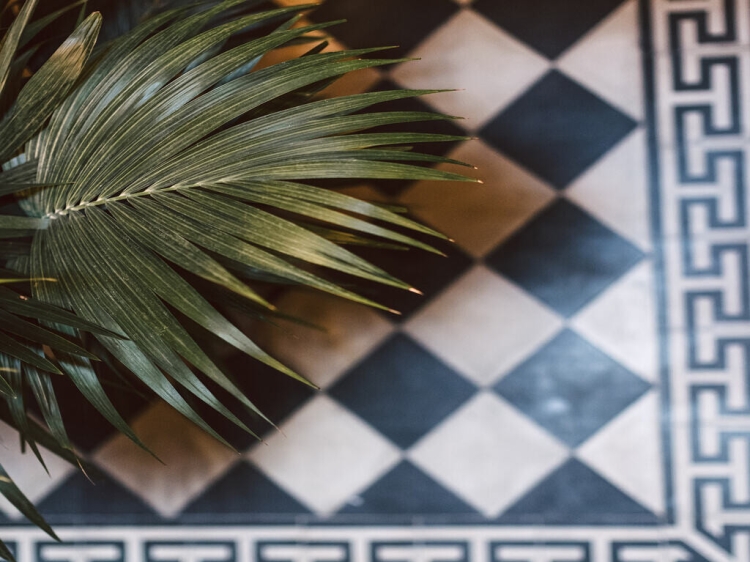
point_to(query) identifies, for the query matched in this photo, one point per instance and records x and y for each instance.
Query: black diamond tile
(557, 129)
(549, 26)
(571, 388)
(275, 394)
(385, 22)
(78, 501)
(564, 257)
(574, 494)
(86, 427)
(402, 390)
(406, 490)
(243, 495)
(430, 273)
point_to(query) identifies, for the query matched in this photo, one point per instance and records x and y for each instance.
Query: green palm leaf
(164, 171)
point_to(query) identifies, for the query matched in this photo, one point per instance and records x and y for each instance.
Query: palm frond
(164, 170)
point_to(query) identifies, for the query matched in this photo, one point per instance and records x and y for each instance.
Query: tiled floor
(572, 387)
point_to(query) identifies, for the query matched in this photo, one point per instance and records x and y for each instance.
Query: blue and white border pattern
(696, 68)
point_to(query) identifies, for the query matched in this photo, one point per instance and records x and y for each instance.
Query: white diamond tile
(622, 322)
(324, 455)
(488, 453)
(479, 216)
(471, 53)
(627, 451)
(615, 190)
(27, 472)
(192, 460)
(608, 60)
(344, 332)
(483, 325)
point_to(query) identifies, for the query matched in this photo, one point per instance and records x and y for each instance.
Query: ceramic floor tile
(468, 454)
(483, 325)
(489, 66)
(324, 455)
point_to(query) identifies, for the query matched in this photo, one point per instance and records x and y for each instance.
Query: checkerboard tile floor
(529, 387)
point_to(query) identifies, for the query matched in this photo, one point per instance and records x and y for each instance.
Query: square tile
(192, 460)
(406, 490)
(564, 257)
(575, 494)
(386, 22)
(275, 394)
(324, 455)
(557, 129)
(488, 454)
(571, 388)
(490, 67)
(479, 216)
(402, 390)
(550, 26)
(483, 325)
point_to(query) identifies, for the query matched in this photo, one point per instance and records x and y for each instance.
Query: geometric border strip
(356, 544)
(697, 70)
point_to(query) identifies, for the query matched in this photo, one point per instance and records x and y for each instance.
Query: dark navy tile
(243, 494)
(385, 22)
(86, 427)
(576, 495)
(549, 26)
(407, 490)
(564, 257)
(430, 273)
(78, 501)
(571, 388)
(557, 129)
(402, 390)
(275, 394)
